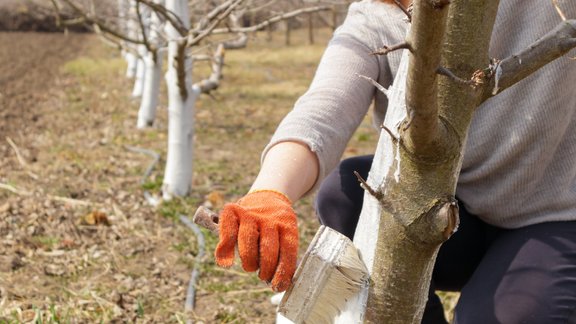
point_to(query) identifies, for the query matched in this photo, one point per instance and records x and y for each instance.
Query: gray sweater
(519, 166)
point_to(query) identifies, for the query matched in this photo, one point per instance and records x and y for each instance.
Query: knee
(535, 308)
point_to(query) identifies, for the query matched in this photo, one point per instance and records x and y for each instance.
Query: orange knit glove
(263, 224)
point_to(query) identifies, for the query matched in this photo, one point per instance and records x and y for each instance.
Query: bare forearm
(289, 167)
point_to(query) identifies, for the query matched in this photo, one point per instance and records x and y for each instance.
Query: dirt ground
(78, 242)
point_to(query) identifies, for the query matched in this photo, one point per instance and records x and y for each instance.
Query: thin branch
(142, 27)
(24, 193)
(195, 37)
(513, 69)
(559, 10)
(169, 15)
(270, 21)
(387, 49)
(209, 17)
(404, 9)
(447, 73)
(21, 160)
(376, 84)
(376, 194)
(85, 18)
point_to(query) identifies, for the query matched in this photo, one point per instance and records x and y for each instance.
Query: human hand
(264, 226)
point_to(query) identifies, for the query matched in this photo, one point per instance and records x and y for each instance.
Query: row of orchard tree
(150, 32)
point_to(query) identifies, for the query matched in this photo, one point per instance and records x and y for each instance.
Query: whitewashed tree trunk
(153, 73)
(132, 31)
(181, 100)
(140, 76)
(367, 231)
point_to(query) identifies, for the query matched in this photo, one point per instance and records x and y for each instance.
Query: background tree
(209, 29)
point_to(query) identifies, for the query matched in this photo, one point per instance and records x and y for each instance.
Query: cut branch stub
(516, 67)
(437, 224)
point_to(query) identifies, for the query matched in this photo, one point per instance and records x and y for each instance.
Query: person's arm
(290, 168)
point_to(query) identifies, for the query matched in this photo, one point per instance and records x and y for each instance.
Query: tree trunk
(132, 32)
(181, 100)
(151, 89)
(140, 75)
(153, 72)
(409, 207)
(311, 28)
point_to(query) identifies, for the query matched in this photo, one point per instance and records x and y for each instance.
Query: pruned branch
(513, 69)
(213, 81)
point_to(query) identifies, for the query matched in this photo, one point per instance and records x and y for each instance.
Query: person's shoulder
(374, 17)
(375, 8)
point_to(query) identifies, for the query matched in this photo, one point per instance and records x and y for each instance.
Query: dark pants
(525, 275)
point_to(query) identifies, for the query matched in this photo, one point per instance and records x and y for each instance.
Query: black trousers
(525, 275)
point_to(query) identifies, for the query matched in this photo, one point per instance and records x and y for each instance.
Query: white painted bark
(181, 101)
(140, 75)
(366, 235)
(153, 73)
(150, 89)
(132, 63)
(132, 31)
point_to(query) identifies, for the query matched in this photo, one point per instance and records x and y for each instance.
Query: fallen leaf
(216, 199)
(96, 218)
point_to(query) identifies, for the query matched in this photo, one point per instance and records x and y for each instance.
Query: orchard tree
(409, 205)
(153, 25)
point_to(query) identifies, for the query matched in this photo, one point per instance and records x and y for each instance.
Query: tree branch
(213, 81)
(87, 19)
(196, 36)
(270, 21)
(169, 15)
(425, 38)
(513, 69)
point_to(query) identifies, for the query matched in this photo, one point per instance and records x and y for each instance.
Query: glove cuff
(276, 192)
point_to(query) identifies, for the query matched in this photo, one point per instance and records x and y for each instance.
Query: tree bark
(181, 100)
(153, 72)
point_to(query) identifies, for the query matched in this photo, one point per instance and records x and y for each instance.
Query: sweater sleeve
(327, 115)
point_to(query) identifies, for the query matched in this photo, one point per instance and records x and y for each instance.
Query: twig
(376, 84)
(270, 21)
(197, 36)
(21, 160)
(70, 201)
(559, 10)
(376, 194)
(404, 9)
(191, 291)
(14, 190)
(387, 49)
(447, 73)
